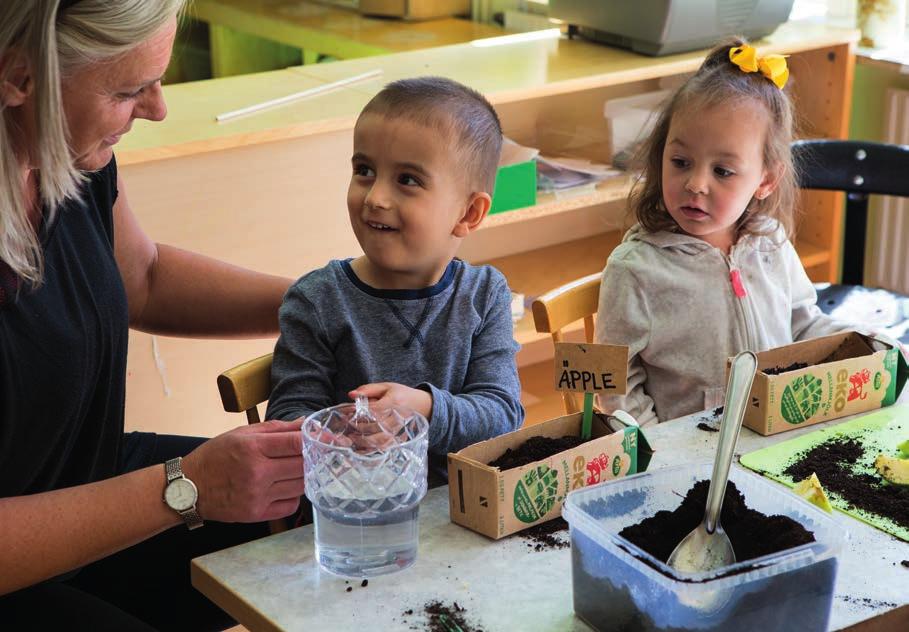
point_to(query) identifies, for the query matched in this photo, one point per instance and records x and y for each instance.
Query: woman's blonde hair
(54, 43)
(718, 81)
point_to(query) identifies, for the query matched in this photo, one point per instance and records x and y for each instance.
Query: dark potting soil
(611, 597)
(710, 416)
(833, 460)
(542, 537)
(534, 449)
(776, 370)
(905, 563)
(837, 354)
(442, 617)
(752, 533)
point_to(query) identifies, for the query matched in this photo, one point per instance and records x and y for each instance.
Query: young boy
(407, 324)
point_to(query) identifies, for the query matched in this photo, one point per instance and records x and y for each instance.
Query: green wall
(869, 98)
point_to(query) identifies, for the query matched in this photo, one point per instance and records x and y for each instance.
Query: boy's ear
(16, 83)
(771, 180)
(474, 214)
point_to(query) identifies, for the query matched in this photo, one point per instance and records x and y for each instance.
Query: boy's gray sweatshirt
(455, 340)
(672, 299)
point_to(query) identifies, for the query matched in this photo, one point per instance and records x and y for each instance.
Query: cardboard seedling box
(498, 502)
(847, 373)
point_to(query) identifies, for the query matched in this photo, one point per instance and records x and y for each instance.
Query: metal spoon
(708, 547)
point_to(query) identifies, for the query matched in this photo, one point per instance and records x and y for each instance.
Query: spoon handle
(741, 375)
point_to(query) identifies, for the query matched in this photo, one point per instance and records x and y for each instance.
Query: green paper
(587, 420)
(878, 432)
(516, 187)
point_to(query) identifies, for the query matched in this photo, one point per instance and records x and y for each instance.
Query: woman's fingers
(276, 445)
(286, 490)
(281, 509)
(286, 469)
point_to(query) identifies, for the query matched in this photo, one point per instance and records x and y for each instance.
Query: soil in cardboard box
(534, 449)
(752, 533)
(846, 350)
(833, 463)
(776, 370)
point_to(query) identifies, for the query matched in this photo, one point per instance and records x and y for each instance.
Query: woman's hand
(393, 395)
(250, 474)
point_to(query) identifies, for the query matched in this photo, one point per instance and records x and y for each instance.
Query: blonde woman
(85, 539)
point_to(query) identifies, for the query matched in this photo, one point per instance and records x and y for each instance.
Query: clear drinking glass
(365, 476)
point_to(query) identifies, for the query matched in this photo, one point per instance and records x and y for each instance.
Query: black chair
(859, 169)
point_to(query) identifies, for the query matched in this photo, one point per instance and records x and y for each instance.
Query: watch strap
(192, 518)
(173, 468)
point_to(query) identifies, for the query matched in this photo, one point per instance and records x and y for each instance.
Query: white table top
(275, 583)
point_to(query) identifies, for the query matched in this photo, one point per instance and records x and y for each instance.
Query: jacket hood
(680, 242)
(686, 244)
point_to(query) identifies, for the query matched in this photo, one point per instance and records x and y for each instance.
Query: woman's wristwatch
(181, 494)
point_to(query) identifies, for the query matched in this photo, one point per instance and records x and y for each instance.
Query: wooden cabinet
(268, 191)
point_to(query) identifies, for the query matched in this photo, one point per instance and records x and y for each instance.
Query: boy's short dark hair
(461, 111)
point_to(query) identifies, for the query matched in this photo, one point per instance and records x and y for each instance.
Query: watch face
(180, 494)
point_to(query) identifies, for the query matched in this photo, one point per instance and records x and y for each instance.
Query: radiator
(886, 263)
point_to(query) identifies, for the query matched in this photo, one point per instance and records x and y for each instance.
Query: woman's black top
(63, 352)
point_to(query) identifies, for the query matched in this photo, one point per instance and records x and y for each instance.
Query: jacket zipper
(739, 291)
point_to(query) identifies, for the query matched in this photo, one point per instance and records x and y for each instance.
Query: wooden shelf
(812, 255)
(610, 190)
(535, 272)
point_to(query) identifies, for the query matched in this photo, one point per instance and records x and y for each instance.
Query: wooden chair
(242, 389)
(552, 312)
(246, 386)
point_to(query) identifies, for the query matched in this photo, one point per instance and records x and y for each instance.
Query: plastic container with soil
(618, 586)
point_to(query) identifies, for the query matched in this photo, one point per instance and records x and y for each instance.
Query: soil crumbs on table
(535, 449)
(834, 461)
(543, 537)
(753, 534)
(709, 421)
(440, 617)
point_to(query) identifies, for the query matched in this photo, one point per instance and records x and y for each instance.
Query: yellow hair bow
(772, 66)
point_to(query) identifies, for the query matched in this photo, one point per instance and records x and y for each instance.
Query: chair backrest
(246, 386)
(852, 166)
(242, 389)
(859, 169)
(569, 303)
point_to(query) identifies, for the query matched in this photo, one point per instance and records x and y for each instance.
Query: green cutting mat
(880, 431)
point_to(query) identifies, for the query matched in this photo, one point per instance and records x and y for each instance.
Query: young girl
(708, 270)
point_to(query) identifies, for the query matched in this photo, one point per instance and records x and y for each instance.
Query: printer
(663, 27)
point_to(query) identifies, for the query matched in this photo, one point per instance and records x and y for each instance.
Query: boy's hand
(393, 395)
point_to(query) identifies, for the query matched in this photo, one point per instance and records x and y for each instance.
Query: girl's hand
(249, 474)
(393, 395)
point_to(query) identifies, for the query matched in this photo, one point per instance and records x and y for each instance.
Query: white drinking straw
(258, 107)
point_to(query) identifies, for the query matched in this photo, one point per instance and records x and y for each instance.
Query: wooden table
(275, 583)
(257, 35)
